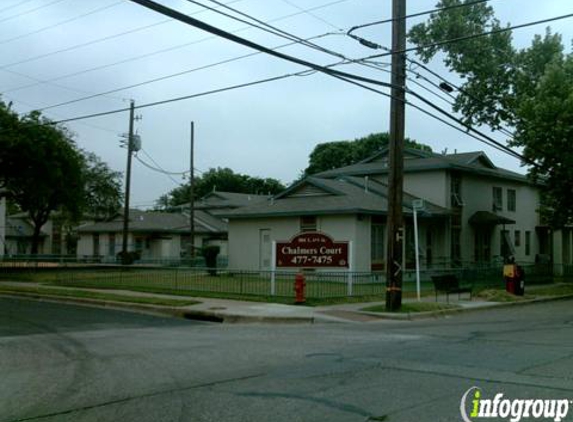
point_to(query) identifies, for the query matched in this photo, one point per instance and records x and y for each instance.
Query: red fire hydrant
(299, 285)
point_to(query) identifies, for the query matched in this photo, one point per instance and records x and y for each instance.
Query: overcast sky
(54, 51)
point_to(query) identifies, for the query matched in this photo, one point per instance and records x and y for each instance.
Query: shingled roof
(318, 196)
(416, 161)
(158, 222)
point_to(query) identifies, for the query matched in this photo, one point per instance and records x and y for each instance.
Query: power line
(470, 37)
(242, 41)
(413, 15)
(27, 12)
(173, 48)
(66, 21)
(172, 75)
(337, 74)
(314, 15)
(267, 27)
(14, 6)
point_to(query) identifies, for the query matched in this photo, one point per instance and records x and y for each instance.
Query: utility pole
(395, 223)
(192, 195)
(130, 136)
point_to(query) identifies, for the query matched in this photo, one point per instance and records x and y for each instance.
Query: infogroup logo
(474, 407)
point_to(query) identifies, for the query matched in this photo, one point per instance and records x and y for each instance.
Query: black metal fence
(200, 280)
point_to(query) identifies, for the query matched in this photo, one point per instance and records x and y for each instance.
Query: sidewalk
(228, 311)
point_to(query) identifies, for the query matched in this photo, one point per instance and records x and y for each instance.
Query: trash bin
(509, 276)
(519, 281)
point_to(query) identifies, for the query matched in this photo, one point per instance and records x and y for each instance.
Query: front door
(482, 244)
(265, 246)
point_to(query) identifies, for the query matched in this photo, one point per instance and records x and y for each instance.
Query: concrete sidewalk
(225, 310)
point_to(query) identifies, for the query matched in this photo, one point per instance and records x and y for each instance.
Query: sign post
(350, 267)
(273, 268)
(417, 204)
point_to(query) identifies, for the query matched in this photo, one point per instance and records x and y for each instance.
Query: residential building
(164, 235)
(474, 213)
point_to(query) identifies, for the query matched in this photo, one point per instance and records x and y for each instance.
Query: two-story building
(474, 213)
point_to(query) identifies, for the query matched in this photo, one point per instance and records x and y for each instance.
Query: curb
(412, 316)
(175, 312)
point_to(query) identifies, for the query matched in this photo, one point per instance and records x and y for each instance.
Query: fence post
(350, 268)
(273, 267)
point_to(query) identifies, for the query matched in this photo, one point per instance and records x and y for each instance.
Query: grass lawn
(77, 293)
(411, 307)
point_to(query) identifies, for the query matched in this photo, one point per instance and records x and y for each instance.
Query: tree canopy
(221, 179)
(42, 170)
(331, 155)
(529, 91)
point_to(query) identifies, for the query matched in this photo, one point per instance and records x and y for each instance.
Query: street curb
(176, 312)
(412, 316)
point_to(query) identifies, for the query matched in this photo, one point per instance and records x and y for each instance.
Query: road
(71, 363)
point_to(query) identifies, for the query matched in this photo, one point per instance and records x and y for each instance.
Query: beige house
(474, 213)
(164, 235)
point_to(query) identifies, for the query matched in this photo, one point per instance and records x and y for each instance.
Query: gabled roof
(317, 196)
(158, 222)
(419, 161)
(224, 200)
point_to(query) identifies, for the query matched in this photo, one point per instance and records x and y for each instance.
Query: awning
(486, 218)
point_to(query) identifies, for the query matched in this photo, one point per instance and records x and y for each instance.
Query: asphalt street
(71, 363)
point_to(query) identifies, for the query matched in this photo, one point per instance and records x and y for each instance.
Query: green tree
(102, 188)
(43, 171)
(41, 168)
(331, 155)
(221, 179)
(527, 90)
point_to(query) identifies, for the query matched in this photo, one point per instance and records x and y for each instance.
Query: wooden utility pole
(124, 259)
(394, 256)
(192, 196)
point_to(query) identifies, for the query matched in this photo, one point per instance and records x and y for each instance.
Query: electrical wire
(469, 37)
(414, 15)
(66, 21)
(156, 169)
(315, 16)
(27, 12)
(169, 76)
(14, 6)
(175, 48)
(96, 41)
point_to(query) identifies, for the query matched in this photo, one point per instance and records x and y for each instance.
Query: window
(111, 245)
(497, 198)
(308, 223)
(506, 247)
(456, 191)
(138, 244)
(517, 239)
(527, 243)
(511, 199)
(377, 243)
(96, 244)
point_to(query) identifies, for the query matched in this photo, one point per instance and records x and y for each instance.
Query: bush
(129, 257)
(210, 254)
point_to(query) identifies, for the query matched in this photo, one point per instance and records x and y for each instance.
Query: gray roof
(158, 222)
(416, 161)
(214, 201)
(318, 196)
(20, 227)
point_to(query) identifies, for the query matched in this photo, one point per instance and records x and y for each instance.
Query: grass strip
(86, 294)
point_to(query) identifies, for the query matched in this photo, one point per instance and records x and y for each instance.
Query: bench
(449, 283)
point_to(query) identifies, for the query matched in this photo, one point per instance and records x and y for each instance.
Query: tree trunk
(36, 238)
